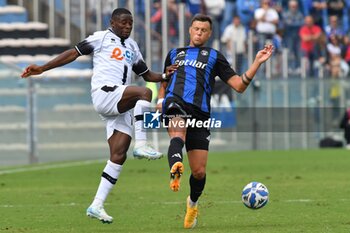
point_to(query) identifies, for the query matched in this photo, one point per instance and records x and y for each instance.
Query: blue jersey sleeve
(223, 68)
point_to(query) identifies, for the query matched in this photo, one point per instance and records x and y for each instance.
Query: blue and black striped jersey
(194, 79)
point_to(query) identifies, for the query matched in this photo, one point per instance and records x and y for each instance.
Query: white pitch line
(231, 202)
(46, 205)
(73, 204)
(45, 167)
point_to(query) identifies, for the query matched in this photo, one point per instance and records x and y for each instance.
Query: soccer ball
(255, 195)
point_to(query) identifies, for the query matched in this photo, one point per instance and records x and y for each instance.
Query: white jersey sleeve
(90, 44)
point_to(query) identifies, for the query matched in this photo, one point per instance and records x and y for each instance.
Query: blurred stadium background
(293, 105)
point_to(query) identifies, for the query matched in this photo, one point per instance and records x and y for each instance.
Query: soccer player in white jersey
(115, 55)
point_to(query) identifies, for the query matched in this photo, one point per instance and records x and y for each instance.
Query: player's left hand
(264, 54)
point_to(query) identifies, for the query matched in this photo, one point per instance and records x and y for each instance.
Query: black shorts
(196, 138)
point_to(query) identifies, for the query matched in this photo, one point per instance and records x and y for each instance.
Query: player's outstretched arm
(240, 83)
(151, 76)
(62, 59)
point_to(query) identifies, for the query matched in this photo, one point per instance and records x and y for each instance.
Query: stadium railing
(50, 119)
(281, 110)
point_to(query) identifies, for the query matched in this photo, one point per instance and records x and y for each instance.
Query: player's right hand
(31, 70)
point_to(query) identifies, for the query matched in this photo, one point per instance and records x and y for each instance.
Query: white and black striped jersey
(113, 58)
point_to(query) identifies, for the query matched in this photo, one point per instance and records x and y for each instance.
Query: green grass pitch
(309, 192)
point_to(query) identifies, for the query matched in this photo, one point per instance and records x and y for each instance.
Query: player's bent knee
(177, 134)
(146, 94)
(198, 174)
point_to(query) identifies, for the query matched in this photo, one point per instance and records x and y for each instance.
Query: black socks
(197, 187)
(175, 151)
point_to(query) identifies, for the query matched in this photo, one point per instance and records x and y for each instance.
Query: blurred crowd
(316, 32)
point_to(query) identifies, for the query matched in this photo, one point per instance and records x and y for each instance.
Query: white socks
(192, 203)
(140, 133)
(109, 178)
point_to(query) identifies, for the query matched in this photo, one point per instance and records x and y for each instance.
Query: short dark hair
(202, 18)
(120, 11)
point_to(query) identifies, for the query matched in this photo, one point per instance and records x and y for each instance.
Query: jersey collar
(120, 39)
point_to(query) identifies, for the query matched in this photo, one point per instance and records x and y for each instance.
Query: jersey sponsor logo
(204, 52)
(194, 63)
(181, 54)
(118, 55)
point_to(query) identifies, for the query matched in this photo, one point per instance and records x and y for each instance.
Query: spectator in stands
(333, 28)
(335, 58)
(347, 50)
(245, 11)
(319, 12)
(335, 62)
(267, 20)
(229, 13)
(310, 35)
(293, 19)
(172, 19)
(277, 5)
(234, 38)
(335, 7)
(346, 16)
(214, 10)
(107, 7)
(335, 89)
(345, 124)
(195, 7)
(334, 47)
(139, 25)
(306, 6)
(115, 57)
(156, 17)
(284, 5)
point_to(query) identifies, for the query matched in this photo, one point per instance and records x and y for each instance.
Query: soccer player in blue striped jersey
(185, 98)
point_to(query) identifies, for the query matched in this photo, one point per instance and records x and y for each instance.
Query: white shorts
(106, 104)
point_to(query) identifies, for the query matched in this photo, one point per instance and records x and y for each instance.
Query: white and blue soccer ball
(255, 195)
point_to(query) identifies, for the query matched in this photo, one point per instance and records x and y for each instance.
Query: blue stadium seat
(33, 46)
(23, 43)
(23, 30)
(10, 14)
(3, 2)
(22, 61)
